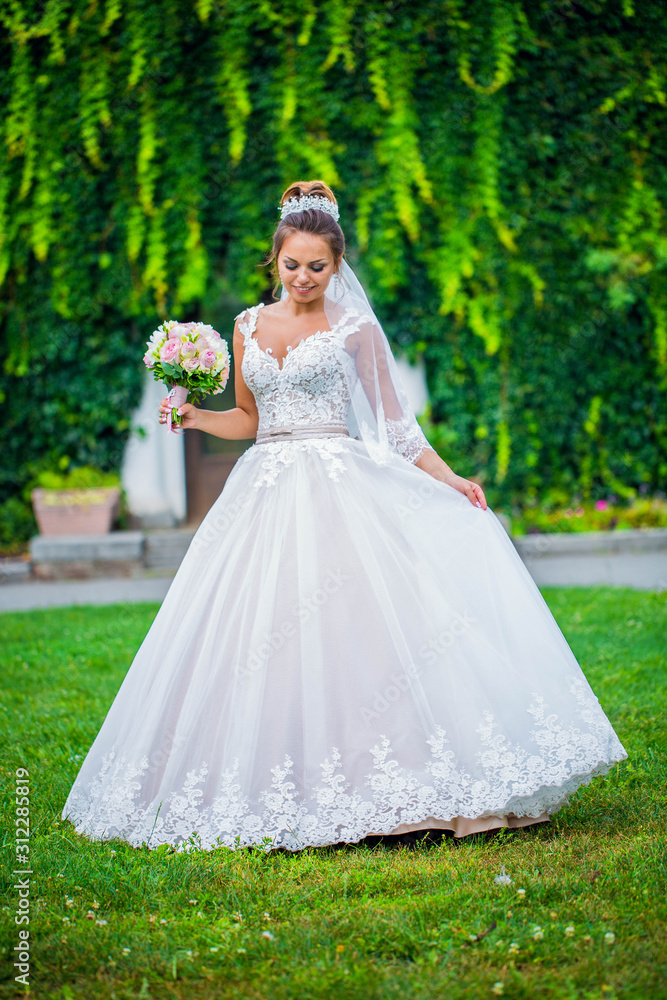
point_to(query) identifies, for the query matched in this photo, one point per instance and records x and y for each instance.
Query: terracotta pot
(75, 512)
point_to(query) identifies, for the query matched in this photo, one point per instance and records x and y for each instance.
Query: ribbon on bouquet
(176, 396)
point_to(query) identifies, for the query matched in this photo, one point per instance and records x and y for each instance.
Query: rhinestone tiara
(307, 201)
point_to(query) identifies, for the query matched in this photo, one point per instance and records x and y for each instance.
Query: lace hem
(289, 822)
(514, 782)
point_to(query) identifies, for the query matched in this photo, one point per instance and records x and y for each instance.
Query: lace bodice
(314, 385)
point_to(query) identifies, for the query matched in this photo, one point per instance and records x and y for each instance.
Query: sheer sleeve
(380, 405)
(407, 438)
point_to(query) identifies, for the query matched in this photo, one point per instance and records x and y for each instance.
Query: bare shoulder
(274, 312)
(273, 308)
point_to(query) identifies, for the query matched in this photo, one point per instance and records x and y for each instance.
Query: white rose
(179, 331)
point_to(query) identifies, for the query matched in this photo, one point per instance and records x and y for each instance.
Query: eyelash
(293, 267)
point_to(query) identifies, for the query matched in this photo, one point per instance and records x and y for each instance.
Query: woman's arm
(235, 425)
(403, 430)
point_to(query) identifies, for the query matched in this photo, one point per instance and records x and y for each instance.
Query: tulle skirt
(346, 650)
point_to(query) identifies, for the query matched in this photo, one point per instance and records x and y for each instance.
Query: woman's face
(305, 265)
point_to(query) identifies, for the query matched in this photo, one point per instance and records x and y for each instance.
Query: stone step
(581, 543)
(57, 557)
(13, 570)
(165, 549)
(116, 545)
(633, 557)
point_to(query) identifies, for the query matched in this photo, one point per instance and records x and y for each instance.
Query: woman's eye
(320, 268)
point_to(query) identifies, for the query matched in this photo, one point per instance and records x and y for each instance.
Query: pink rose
(201, 343)
(207, 359)
(601, 504)
(191, 364)
(170, 350)
(188, 350)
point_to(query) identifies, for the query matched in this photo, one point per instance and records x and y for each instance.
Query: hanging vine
(500, 166)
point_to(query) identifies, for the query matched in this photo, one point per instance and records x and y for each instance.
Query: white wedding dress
(347, 649)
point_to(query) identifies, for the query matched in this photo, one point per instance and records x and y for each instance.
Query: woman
(351, 646)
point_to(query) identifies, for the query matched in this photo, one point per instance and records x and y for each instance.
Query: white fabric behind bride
(413, 378)
(153, 470)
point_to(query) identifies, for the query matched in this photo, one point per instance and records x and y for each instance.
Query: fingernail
(477, 503)
(179, 412)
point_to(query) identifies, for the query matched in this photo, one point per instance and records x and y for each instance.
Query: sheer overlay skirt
(345, 650)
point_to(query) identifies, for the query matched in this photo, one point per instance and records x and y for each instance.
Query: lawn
(584, 914)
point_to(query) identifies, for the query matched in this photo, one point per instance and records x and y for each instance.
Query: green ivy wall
(501, 169)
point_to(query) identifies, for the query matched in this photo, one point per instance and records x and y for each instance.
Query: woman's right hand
(189, 413)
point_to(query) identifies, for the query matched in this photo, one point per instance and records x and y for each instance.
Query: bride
(351, 645)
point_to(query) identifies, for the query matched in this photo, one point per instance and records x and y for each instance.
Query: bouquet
(192, 359)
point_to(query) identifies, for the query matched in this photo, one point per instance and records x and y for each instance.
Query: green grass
(355, 923)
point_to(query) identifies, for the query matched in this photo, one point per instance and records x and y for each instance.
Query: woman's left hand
(473, 491)
(431, 462)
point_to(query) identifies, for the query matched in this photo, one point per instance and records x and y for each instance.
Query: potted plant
(81, 501)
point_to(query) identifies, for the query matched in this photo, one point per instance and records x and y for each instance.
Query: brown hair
(312, 220)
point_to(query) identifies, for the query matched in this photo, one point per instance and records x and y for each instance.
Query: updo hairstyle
(311, 220)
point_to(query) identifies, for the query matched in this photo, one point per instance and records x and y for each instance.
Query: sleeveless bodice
(315, 383)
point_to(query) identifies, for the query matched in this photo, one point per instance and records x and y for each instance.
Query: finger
(480, 499)
(475, 494)
(470, 493)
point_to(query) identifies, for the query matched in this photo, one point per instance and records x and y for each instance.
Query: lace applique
(248, 320)
(407, 438)
(278, 455)
(373, 447)
(507, 780)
